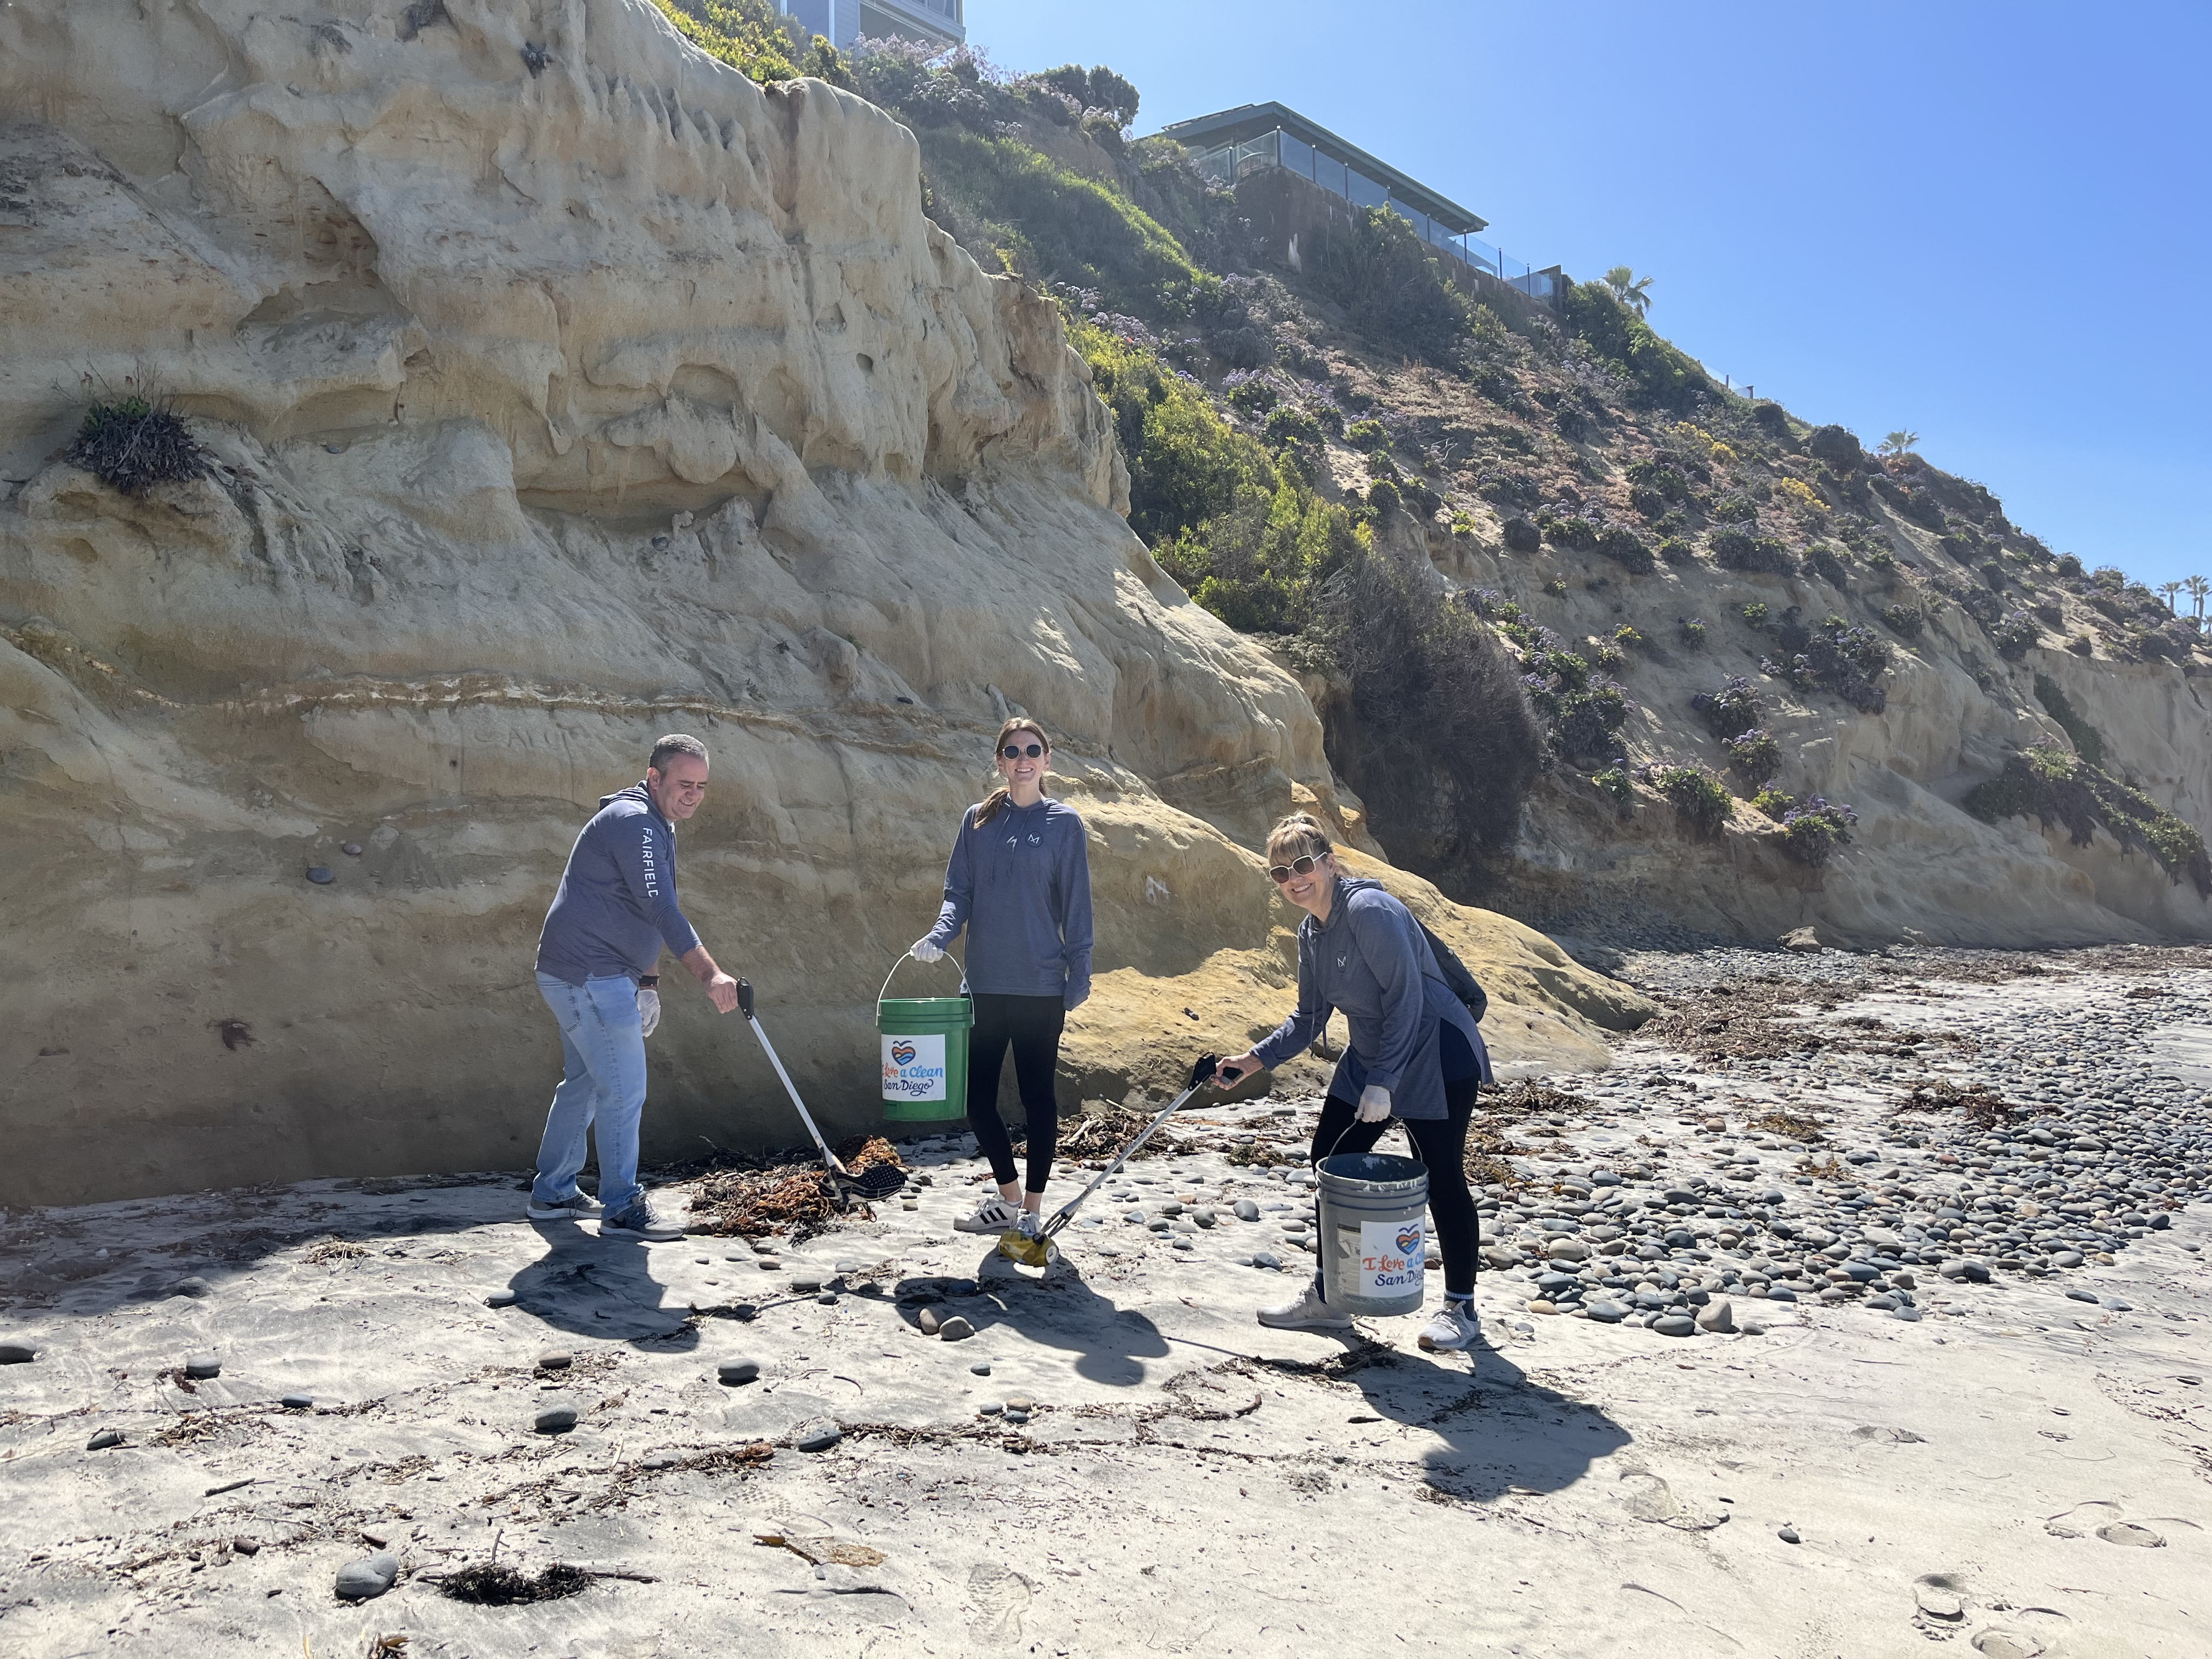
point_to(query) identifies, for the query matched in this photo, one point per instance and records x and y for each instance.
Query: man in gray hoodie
(615, 909)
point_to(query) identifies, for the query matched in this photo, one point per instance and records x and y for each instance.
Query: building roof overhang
(1232, 127)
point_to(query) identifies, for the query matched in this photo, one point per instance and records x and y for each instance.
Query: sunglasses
(1015, 751)
(1300, 867)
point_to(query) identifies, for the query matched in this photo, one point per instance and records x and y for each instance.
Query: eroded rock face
(551, 411)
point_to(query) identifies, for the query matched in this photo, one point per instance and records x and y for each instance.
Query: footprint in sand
(1001, 1596)
(2101, 1518)
(1939, 1599)
(2133, 1534)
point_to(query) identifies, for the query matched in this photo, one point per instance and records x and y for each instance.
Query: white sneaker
(993, 1215)
(1454, 1329)
(1307, 1313)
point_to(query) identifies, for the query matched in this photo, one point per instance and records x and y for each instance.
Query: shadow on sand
(601, 1288)
(1502, 1432)
(1058, 1310)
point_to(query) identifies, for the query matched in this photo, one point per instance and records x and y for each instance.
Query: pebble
(817, 1437)
(807, 1284)
(193, 1287)
(734, 1371)
(351, 849)
(104, 1439)
(501, 1299)
(17, 1354)
(1674, 1325)
(1787, 1534)
(769, 1264)
(1718, 1315)
(321, 874)
(556, 1360)
(368, 1578)
(955, 1329)
(298, 1402)
(1246, 1210)
(980, 1368)
(555, 1419)
(929, 1320)
(201, 1366)
(1266, 1259)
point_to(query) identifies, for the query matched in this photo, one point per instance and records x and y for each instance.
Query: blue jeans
(602, 1083)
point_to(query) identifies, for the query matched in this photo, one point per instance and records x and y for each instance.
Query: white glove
(1374, 1103)
(648, 1010)
(923, 951)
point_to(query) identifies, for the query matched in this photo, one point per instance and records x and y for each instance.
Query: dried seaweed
(492, 1585)
(792, 1197)
(1984, 1106)
(131, 445)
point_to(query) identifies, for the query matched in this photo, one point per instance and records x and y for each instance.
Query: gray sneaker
(1306, 1312)
(639, 1221)
(577, 1206)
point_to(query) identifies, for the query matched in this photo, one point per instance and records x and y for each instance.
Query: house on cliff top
(1293, 176)
(940, 23)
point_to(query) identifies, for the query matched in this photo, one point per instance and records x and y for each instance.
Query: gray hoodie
(616, 903)
(1371, 960)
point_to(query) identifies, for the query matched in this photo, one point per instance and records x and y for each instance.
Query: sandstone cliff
(564, 387)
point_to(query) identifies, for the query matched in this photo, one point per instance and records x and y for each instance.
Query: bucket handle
(905, 957)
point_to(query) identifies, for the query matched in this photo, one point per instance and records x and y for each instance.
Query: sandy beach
(1118, 1459)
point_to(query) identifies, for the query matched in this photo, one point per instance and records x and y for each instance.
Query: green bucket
(925, 1053)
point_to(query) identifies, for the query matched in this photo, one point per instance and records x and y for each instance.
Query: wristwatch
(648, 982)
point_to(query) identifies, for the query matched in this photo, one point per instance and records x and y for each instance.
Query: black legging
(1439, 1142)
(1032, 1025)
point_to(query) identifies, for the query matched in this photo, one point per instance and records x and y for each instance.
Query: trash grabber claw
(1036, 1252)
(880, 1180)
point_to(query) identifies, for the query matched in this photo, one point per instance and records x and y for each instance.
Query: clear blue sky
(1984, 222)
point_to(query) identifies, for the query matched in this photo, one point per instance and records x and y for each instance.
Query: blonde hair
(1300, 835)
(997, 798)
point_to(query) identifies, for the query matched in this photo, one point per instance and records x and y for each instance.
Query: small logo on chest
(1343, 959)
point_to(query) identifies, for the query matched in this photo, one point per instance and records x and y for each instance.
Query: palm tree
(1631, 290)
(1900, 443)
(2197, 588)
(2168, 590)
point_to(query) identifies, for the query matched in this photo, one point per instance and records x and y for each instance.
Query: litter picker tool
(880, 1180)
(1036, 1252)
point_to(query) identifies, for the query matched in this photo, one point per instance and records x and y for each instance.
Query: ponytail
(997, 799)
(1300, 835)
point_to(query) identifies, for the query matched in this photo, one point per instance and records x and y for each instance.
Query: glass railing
(1232, 162)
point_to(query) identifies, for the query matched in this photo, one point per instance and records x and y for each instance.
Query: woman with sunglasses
(1020, 882)
(1414, 1054)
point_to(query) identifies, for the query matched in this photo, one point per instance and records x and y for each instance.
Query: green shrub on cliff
(746, 34)
(1240, 530)
(1662, 375)
(1446, 744)
(1701, 797)
(2089, 742)
(1060, 225)
(2061, 789)
(1388, 284)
